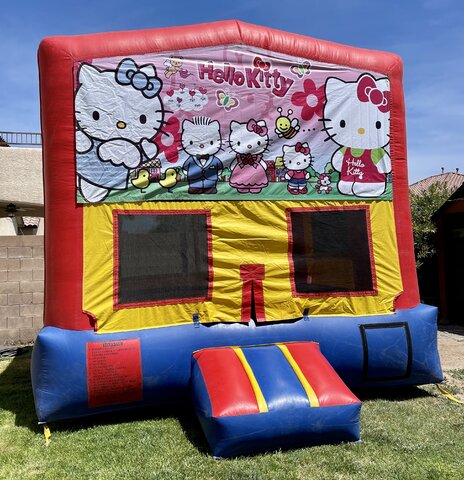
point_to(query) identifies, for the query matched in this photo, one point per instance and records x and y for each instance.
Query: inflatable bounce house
(228, 226)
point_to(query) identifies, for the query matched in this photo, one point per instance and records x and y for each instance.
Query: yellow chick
(170, 179)
(142, 180)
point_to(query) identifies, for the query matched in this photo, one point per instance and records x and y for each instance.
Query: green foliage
(411, 434)
(423, 206)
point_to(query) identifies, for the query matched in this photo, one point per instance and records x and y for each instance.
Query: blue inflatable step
(266, 397)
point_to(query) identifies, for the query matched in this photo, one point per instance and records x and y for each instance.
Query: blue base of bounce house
(384, 350)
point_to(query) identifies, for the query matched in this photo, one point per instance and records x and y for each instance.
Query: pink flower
(169, 140)
(311, 99)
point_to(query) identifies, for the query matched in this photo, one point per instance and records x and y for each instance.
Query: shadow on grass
(16, 397)
(16, 390)
(396, 394)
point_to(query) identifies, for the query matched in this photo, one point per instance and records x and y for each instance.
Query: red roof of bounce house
(57, 55)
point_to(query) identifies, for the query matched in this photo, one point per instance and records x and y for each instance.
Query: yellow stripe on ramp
(313, 400)
(262, 405)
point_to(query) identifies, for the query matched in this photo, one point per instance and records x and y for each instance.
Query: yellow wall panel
(242, 233)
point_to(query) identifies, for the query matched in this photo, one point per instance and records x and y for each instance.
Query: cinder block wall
(21, 288)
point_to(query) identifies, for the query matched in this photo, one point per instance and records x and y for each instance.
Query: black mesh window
(331, 251)
(162, 257)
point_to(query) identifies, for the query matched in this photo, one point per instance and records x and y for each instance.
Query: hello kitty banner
(229, 123)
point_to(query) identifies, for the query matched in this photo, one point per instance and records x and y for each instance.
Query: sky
(427, 34)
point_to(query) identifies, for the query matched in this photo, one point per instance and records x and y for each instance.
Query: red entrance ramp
(266, 397)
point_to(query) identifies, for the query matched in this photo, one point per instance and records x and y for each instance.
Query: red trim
(57, 55)
(252, 276)
(171, 301)
(229, 388)
(327, 385)
(290, 254)
(401, 207)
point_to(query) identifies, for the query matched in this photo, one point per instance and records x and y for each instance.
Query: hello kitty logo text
(257, 76)
(355, 168)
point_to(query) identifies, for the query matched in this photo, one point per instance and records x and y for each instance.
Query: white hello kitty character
(297, 159)
(249, 141)
(323, 183)
(201, 139)
(357, 117)
(117, 112)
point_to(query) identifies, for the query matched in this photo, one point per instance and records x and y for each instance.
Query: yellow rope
(448, 395)
(47, 435)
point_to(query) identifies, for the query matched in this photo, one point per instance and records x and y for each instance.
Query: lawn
(409, 434)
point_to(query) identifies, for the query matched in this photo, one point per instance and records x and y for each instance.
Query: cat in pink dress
(249, 141)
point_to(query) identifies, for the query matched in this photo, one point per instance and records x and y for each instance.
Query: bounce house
(228, 224)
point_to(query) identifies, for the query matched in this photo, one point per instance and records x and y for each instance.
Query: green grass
(274, 191)
(409, 434)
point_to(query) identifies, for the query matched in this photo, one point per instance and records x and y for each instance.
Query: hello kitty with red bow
(297, 159)
(357, 118)
(249, 141)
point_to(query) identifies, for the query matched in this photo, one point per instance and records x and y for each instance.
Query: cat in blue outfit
(117, 112)
(201, 139)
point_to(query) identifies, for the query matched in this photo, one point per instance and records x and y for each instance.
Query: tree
(423, 206)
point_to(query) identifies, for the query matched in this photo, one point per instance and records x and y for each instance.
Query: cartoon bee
(284, 126)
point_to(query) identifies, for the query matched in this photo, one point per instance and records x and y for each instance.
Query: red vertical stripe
(228, 386)
(259, 300)
(252, 276)
(327, 385)
(247, 295)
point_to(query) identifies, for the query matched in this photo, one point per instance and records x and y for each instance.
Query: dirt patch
(451, 349)
(451, 346)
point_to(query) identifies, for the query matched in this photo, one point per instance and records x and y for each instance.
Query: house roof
(453, 180)
(458, 194)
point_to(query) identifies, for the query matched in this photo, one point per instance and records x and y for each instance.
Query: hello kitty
(357, 117)
(249, 141)
(201, 139)
(117, 112)
(297, 158)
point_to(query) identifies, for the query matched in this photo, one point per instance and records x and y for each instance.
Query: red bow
(303, 148)
(248, 158)
(258, 62)
(368, 92)
(252, 126)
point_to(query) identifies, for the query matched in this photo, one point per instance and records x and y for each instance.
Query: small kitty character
(249, 141)
(323, 183)
(117, 112)
(201, 139)
(356, 117)
(297, 159)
